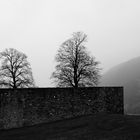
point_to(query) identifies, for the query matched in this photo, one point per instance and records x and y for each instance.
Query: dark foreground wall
(23, 107)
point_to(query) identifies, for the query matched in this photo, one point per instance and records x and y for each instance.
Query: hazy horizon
(38, 28)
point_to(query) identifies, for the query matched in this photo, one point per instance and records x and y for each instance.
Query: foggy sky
(38, 27)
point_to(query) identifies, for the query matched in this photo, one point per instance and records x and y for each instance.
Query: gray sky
(38, 27)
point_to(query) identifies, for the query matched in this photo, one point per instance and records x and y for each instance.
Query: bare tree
(75, 68)
(15, 70)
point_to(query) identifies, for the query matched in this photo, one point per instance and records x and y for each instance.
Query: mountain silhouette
(126, 74)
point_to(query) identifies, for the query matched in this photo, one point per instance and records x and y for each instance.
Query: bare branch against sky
(75, 66)
(15, 70)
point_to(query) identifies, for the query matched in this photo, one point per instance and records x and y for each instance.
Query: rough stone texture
(22, 107)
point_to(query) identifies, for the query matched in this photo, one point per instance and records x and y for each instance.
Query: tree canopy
(15, 70)
(75, 67)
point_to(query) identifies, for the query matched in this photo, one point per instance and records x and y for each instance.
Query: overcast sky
(38, 27)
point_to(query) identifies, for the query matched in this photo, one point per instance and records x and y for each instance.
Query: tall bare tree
(15, 70)
(75, 68)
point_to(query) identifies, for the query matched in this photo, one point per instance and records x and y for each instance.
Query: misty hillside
(126, 74)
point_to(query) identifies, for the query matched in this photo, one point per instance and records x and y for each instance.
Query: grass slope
(92, 127)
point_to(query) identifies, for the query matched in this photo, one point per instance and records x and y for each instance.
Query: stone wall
(23, 107)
